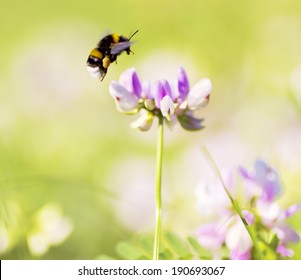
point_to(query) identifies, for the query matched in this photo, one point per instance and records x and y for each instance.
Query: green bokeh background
(63, 143)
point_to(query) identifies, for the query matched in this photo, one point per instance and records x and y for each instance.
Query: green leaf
(274, 241)
(147, 243)
(104, 257)
(201, 251)
(144, 257)
(165, 254)
(224, 253)
(129, 251)
(178, 245)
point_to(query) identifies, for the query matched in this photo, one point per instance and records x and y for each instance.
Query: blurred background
(75, 179)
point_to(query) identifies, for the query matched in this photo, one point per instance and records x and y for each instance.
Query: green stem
(234, 203)
(158, 189)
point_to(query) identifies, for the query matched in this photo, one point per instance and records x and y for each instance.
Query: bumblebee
(106, 52)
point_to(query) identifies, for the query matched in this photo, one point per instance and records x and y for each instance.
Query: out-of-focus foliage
(65, 150)
(172, 247)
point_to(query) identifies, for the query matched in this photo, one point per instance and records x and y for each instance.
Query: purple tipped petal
(211, 236)
(286, 234)
(167, 88)
(268, 179)
(158, 93)
(265, 178)
(183, 84)
(147, 90)
(125, 79)
(237, 255)
(189, 122)
(245, 174)
(136, 85)
(129, 79)
(292, 210)
(283, 251)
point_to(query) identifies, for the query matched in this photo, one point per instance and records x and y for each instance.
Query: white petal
(144, 122)
(237, 237)
(167, 106)
(126, 102)
(125, 79)
(198, 97)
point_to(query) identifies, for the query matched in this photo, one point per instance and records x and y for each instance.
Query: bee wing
(119, 47)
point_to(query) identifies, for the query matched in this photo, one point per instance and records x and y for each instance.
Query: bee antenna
(133, 34)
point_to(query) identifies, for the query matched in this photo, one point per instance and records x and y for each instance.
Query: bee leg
(103, 73)
(129, 51)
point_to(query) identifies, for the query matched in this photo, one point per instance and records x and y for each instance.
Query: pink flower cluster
(262, 212)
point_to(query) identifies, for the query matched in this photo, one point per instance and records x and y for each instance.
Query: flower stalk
(158, 189)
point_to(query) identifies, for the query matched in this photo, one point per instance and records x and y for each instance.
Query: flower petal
(173, 120)
(265, 178)
(147, 92)
(286, 234)
(129, 79)
(158, 93)
(238, 255)
(126, 101)
(198, 97)
(245, 173)
(292, 209)
(211, 236)
(237, 238)
(189, 122)
(167, 107)
(268, 180)
(144, 122)
(270, 213)
(284, 251)
(167, 88)
(136, 84)
(183, 84)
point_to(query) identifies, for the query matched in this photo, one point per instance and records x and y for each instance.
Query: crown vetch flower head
(174, 103)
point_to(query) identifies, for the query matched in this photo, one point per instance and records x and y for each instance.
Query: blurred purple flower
(264, 177)
(212, 236)
(263, 186)
(238, 240)
(273, 217)
(227, 231)
(161, 99)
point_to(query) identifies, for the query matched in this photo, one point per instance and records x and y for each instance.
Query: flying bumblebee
(106, 52)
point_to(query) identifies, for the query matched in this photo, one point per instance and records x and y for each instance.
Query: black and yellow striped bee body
(106, 52)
